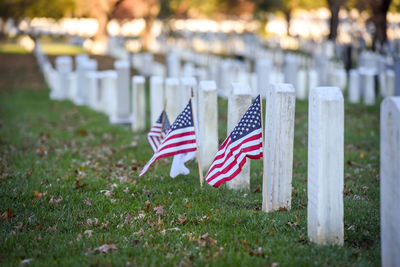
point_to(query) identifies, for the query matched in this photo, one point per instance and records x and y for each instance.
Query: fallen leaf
(159, 210)
(258, 189)
(52, 228)
(188, 205)
(81, 132)
(28, 174)
(87, 202)
(107, 193)
(79, 237)
(8, 214)
(37, 194)
(102, 249)
(88, 233)
(25, 262)
(206, 241)
(54, 201)
(105, 225)
(182, 220)
(139, 233)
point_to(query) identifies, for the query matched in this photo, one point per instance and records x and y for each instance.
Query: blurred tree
(334, 7)
(17, 9)
(379, 9)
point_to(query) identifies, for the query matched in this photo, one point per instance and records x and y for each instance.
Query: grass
(53, 48)
(69, 184)
(10, 47)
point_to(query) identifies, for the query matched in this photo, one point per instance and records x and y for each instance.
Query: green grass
(53, 48)
(72, 153)
(10, 47)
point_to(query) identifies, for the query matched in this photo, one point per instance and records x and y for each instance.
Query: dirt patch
(19, 72)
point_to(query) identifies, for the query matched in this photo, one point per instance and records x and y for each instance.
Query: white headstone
(72, 85)
(138, 103)
(263, 69)
(301, 87)
(187, 84)
(312, 80)
(173, 65)
(325, 166)
(172, 98)
(109, 91)
(83, 67)
(390, 181)
(93, 89)
(354, 86)
(290, 69)
(238, 103)
(278, 152)
(208, 122)
(64, 67)
(369, 87)
(156, 98)
(390, 86)
(122, 114)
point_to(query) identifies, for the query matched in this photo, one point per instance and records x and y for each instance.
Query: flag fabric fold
(245, 141)
(180, 138)
(158, 131)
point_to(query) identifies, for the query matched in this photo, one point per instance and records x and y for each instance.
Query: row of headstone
(325, 146)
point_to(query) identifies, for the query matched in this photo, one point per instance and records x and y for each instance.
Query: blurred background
(202, 25)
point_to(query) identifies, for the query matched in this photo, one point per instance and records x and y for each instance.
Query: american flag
(158, 132)
(244, 141)
(180, 138)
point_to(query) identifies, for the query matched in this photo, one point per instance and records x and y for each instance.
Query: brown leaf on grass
(139, 233)
(54, 201)
(105, 225)
(188, 205)
(88, 233)
(79, 237)
(81, 132)
(107, 193)
(8, 214)
(106, 248)
(28, 174)
(19, 226)
(78, 185)
(25, 262)
(38, 194)
(41, 151)
(92, 222)
(206, 241)
(160, 210)
(253, 252)
(52, 228)
(87, 202)
(258, 189)
(182, 220)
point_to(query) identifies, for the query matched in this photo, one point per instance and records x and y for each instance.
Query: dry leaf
(87, 202)
(88, 233)
(206, 241)
(8, 214)
(53, 200)
(25, 262)
(52, 228)
(159, 210)
(102, 249)
(139, 233)
(37, 194)
(105, 225)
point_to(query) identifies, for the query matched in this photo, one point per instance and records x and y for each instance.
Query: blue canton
(250, 121)
(166, 121)
(184, 119)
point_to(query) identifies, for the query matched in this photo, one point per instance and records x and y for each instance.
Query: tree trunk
(379, 11)
(288, 17)
(334, 8)
(147, 37)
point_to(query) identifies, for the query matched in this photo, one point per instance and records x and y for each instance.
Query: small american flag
(158, 132)
(244, 141)
(180, 138)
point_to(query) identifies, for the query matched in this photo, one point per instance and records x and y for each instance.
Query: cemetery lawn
(70, 192)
